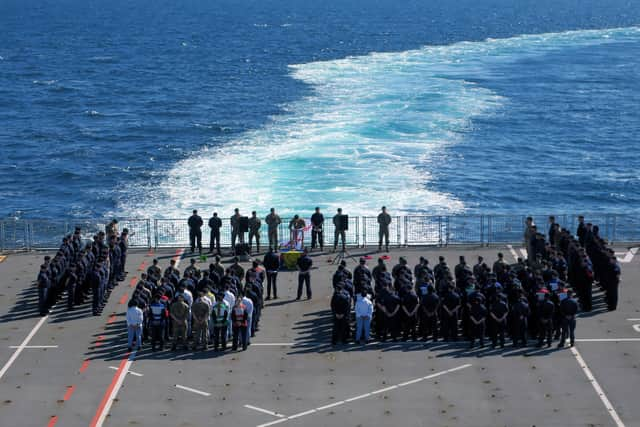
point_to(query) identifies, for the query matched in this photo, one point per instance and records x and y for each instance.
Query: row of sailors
(201, 305)
(80, 269)
(399, 308)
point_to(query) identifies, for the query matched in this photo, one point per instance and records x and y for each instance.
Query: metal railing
(437, 230)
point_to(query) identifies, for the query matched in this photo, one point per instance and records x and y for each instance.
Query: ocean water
(151, 109)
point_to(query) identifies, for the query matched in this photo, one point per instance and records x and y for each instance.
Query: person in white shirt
(230, 299)
(364, 311)
(249, 304)
(135, 318)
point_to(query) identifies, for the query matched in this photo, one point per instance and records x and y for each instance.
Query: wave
(367, 136)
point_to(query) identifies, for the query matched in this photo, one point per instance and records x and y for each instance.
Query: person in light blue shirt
(135, 319)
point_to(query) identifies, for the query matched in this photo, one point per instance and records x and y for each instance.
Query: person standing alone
(195, 231)
(384, 220)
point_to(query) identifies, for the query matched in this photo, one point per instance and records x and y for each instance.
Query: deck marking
(136, 374)
(607, 339)
(597, 388)
(34, 346)
(193, 390)
(273, 344)
(628, 256)
(85, 365)
(265, 411)
(22, 346)
(69, 392)
(52, 421)
(514, 254)
(112, 390)
(123, 299)
(363, 396)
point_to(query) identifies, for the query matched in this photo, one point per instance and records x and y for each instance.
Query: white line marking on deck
(265, 411)
(193, 390)
(34, 346)
(103, 411)
(115, 368)
(628, 256)
(597, 388)
(607, 339)
(363, 396)
(22, 346)
(514, 254)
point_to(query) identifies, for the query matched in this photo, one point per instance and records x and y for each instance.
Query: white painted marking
(265, 411)
(34, 346)
(22, 346)
(116, 389)
(597, 388)
(633, 320)
(524, 253)
(115, 368)
(322, 408)
(607, 339)
(636, 328)
(301, 414)
(363, 396)
(628, 256)
(514, 254)
(193, 390)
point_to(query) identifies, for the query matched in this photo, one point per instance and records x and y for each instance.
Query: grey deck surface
(296, 371)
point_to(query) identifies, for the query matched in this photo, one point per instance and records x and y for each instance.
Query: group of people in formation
(200, 308)
(537, 298)
(84, 269)
(253, 225)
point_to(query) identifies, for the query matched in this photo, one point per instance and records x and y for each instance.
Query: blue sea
(152, 108)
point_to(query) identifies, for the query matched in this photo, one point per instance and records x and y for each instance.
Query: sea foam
(366, 137)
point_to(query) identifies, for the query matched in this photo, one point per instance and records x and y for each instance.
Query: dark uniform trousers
(304, 278)
(317, 237)
(214, 240)
(568, 326)
(409, 324)
(340, 331)
(496, 331)
(272, 277)
(157, 335)
(339, 234)
(449, 326)
(383, 233)
(428, 324)
(477, 332)
(220, 337)
(195, 238)
(391, 326)
(545, 330)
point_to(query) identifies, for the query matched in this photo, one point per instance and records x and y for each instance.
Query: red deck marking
(111, 319)
(52, 421)
(106, 399)
(178, 255)
(150, 253)
(84, 366)
(133, 282)
(98, 342)
(69, 392)
(142, 266)
(124, 299)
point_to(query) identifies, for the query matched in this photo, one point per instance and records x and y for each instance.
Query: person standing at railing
(236, 234)
(195, 231)
(340, 223)
(254, 230)
(317, 233)
(529, 232)
(384, 220)
(273, 221)
(215, 223)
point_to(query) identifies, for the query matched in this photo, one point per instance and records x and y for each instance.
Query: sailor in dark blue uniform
(498, 313)
(429, 304)
(450, 308)
(568, 310)
(340, 308)
(477, 317)
(545, 312)
(44, 284)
